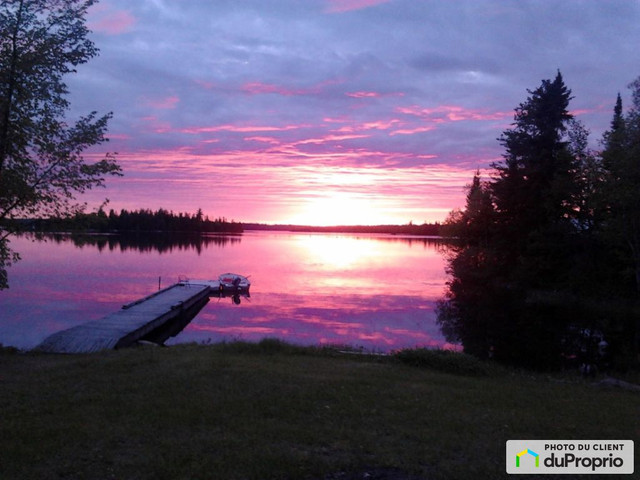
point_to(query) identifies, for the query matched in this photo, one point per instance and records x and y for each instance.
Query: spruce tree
(504, 278)
(620, 204)
(536, 188)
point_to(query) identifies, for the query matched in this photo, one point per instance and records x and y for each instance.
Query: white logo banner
(570, 456)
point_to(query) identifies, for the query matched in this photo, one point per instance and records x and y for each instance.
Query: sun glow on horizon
(339, 208)
(249, 187)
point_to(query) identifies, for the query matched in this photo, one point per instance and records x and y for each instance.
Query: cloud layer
(280, 111)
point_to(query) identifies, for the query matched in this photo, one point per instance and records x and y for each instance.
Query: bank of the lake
(267, 410)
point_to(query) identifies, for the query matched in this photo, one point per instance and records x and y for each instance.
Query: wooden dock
(148, 318)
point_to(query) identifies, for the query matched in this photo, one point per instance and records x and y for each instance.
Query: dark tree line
(163, 243)
(545, 266)
(426, 229)
(139, 221)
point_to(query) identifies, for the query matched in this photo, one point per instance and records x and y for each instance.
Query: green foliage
(550, 224)
(445, 361)
(41, 163)
(266, 346)
(8, 350)
(535, 182)
(7, 258)
(620, 199)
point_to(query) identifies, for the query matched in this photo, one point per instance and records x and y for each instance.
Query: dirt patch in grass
(374, 473)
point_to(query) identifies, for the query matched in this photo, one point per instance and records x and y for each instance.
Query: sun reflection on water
(338, 252)
(375, 292)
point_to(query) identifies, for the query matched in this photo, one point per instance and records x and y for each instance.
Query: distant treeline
(426, 229)
(161, 242)
(145, 220)
(142, 220)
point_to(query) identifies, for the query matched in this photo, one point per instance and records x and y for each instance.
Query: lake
(370, 292)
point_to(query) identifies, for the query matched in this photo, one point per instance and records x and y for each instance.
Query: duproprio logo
(530, 452)
(569, 456)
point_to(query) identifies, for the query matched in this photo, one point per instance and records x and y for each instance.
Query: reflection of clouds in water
(383, 322)
(362, 290)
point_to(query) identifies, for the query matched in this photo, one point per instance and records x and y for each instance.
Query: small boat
(234, 282)
(227, 283)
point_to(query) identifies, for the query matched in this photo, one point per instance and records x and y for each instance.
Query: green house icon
(530, 452)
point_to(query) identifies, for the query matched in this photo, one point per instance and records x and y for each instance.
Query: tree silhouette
(41, 162)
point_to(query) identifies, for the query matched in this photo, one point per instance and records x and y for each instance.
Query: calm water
(371, 292)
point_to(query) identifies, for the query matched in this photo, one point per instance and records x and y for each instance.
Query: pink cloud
(104, 20)
(239, 129)
(365, 94)
(205, 84)
(375, 125)
(271, 140)
(335, 119)
(153, 124)
(236, 330)
(260, 88)
(341, 6)
(118, 136)
(380, 124)
(329, 138)
(167, 103)
(452, 113)
(587, 111)
(411, 131)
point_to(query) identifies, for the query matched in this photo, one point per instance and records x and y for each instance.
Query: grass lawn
(249, 412)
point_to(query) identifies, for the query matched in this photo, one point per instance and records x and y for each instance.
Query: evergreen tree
(467, 314)
(621, 162)
(537, 187)
(517, 237)
(534, 179)
(620, 202)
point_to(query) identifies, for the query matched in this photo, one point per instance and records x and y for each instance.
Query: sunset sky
(332, 112)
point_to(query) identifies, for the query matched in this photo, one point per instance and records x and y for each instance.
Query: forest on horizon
(145, 220)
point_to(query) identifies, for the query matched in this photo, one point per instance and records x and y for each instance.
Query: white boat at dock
(228, 283)
(233, 281)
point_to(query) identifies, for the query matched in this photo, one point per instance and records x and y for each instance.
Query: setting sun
(339, 208)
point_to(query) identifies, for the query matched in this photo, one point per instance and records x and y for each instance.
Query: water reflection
(361, 321)
(236, 297)
(176, 326)
(374, 292)
(171, 329)
(162, 242)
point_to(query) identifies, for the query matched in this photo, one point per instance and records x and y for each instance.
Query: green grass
(274, 411)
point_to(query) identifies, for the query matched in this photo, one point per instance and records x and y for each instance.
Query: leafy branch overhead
(42, 167)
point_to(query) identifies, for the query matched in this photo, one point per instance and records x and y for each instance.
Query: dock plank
(128, 325)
